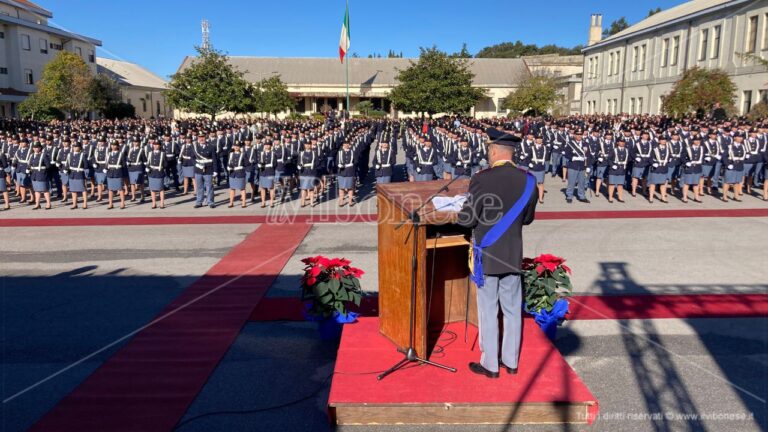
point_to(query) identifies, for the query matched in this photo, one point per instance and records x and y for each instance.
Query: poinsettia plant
(546, 280)
(329, 285)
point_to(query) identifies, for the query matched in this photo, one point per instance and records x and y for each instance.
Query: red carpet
(582, 307)
(669, 306)
(356, 218)
(544, 376)
(149, 384)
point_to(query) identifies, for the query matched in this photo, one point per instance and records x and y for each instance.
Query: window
(765, 32)
(500, 105)
(158, 107)
(29, 77)
(615, 106)
(639, 105)
(675, 50)
(752, 34)
(43, 46)
(129, 101)
(715, 42)
(635, 59)
(2, 35)
(618, 61)
(610, 64)
(91, 56)
(3, 71)
(664, 52)
(25, 44)
(597, 67)
(144, 105)
(747, 101)
(632, 106)
(79, 51)
(642, 58)
(704, 41)
(764, 96)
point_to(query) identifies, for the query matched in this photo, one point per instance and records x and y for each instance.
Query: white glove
(341, 165)
(637, 159)
(146, 169)
(730, 166)
(688, 164)
(655, 165)
(418, 170)
(530, 165)
(378, 167)
(104, 171)
(718, 157)
(599, 159)
(589, 170)
(615, 167)
(215, 174)
(707, 158)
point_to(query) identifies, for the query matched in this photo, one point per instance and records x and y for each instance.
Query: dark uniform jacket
(492, 193)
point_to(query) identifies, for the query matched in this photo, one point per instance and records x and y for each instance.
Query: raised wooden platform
(546, 389)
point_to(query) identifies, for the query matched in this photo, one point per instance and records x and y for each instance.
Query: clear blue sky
(158, 34)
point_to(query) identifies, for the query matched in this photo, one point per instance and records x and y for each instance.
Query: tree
(105, 92)
(464, 53)
(65, 85)
(698, 90)
(536, 94)
(209, 85)
(653, 12)
(519, 49)
(616, 26)
(272, 96)
(364, 107)
(35, 108)
(436, 83)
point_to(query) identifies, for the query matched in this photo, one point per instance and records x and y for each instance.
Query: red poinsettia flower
(311, 281)
(315, 271)
(548, 258)
(527, 263)
(566, 268)
(539, 269)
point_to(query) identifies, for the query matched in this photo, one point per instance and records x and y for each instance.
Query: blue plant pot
(330, 328)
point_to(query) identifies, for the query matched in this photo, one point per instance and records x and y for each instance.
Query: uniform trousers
(204, 188)
(507, 291)
(577, 179)
(557, 158)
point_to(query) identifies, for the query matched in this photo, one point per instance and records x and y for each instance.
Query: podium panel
(442, 271)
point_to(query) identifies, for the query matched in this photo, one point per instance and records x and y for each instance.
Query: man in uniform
(500, 202)
(206, 168)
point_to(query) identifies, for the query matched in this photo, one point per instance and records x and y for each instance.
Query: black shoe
(212, 206)
(569, 200)
(480, 370)
(584, 200)
(508, 369)
(198, 205)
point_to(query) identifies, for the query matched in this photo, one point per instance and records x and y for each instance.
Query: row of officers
(308, 165)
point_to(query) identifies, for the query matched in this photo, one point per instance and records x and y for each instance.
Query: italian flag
(344, 39)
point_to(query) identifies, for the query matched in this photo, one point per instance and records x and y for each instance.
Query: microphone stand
(409, 352)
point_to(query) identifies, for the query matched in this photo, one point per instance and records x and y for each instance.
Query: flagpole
(349, 110)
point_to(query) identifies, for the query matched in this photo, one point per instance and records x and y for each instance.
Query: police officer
(383, 162)
(77, 164)
(426, 157)
(693, 158)
(237, 166)
(579, 167)
(172, 151)
(734, 162)
(206, 168)
(617, 171)
(137, 159)
(115, 167)
(659, 170)
(347, 161)
(39, 166)
(21, 165)
(641, 150)
(537, 164)
(463, 160)
(307, 163)
(267, 162)
(187, 162)
(157, 171)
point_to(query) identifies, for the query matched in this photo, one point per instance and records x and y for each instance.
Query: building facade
(630, 71)
(138, 87)
(320, 83)
(27, 44)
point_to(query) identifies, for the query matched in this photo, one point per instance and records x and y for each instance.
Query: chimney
(595, 29)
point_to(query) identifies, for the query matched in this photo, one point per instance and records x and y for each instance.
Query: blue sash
(498, 230)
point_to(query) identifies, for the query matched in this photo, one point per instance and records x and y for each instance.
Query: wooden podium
(442, 276)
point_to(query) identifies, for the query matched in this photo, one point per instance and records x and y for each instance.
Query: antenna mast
(206, 32)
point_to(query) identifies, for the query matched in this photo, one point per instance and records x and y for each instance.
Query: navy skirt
(307, 182)
(77, 185)
(733, 176)
(346, 183)
(188, 172)
(616, 179)
(156, 184)
(136, 177)
(658, 178)
(383, 179)
(237, 183)
(64, 178)
(23, 179)
(639, 172)
(266, 182)
(40, 186)
(114, 184)
(691, 179)
(101, 177)
(539, 176)
(3, 185)
(600, 172)
(424, 177)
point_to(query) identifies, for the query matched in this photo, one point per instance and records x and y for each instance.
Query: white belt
(113, 166)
